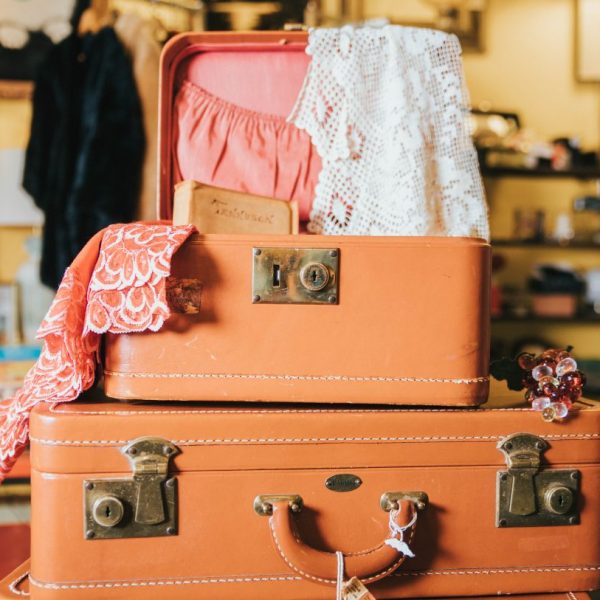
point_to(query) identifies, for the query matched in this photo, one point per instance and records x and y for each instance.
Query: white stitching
(13, 586)
(572, 596)
(373, 577)
(492, 571)
(238, 441)
(217, 580)
(264, 377)
(191, 581)
(267, 411)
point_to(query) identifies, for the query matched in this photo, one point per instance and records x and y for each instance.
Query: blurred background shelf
(575, 173)
(577, 320)
(575, 245)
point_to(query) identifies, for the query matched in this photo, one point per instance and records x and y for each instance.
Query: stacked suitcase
(271, 454)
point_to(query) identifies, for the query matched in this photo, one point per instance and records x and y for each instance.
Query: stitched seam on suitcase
(13, 585)
(54, 408)
(285, 578)
(264, 377)
(241, 441)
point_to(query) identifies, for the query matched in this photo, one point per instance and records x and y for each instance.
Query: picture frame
(587, 41)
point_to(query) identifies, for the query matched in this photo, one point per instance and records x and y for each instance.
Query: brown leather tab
(184, 295)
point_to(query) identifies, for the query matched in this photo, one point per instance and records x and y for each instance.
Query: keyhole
(561, 500)
(276, 276)
(107, 512)
(314, 276)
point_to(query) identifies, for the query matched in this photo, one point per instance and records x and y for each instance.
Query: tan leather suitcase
(400, 320)
(252, 502)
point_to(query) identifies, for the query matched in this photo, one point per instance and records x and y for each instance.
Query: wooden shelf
(575, 173)
(576, 320)
(507, 243)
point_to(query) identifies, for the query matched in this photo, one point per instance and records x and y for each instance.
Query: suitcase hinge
(141, 506)
(529, 496)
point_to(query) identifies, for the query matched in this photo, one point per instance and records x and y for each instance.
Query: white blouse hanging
(387, 110)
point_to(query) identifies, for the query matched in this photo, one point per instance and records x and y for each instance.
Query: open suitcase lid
(271, 65)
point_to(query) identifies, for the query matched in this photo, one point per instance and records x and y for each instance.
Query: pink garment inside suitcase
(230, 126)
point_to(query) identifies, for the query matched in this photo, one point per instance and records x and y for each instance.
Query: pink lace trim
(126, 293)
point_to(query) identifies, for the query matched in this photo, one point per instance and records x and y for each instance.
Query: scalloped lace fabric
(117, 284)
(387, 111)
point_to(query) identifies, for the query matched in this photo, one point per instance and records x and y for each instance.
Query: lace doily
(387, 111)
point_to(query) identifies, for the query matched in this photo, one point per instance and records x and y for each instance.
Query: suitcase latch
(144, 505)
(529, 496)
(295, 275)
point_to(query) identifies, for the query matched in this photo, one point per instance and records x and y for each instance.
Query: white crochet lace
(387, 111)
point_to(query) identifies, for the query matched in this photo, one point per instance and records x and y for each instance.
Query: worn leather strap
(319, 566)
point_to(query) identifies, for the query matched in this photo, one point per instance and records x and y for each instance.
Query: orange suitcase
(219, 501)
(401, 320)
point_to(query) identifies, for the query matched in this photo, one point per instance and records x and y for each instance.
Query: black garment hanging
(85, 153)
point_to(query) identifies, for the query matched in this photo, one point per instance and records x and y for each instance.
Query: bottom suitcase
(210, 501)
(16, 585)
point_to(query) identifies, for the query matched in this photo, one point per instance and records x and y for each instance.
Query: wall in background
(15, 117)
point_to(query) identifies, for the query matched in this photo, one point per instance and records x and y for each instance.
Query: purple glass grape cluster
(553, 382)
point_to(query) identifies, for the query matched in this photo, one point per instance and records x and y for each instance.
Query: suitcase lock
(144, 505)
(295, 275)
(529, 496)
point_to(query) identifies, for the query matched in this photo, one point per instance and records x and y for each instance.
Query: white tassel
(398, 543)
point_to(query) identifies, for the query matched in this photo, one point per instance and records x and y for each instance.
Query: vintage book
(215, 210)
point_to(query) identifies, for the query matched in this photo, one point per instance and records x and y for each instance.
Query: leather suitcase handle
(16, 584)
(319, 566)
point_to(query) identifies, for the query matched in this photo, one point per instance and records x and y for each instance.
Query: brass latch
(295, 276)
(529, 496)
(144, 505)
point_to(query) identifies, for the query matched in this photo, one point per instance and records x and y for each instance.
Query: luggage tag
(355, 589)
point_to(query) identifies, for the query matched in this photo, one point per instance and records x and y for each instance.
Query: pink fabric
(222, 144)
(116, 284)
(254, 77)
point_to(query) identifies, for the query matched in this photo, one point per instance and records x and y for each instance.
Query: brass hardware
(343, 482)
(144, 505)
(108, 511)
(295, 276)
(529, 496)
(391, 500)
(314, 277)
(559, 499)
(263, 504)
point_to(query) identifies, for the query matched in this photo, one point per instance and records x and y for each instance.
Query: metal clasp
(144, 505)
(529, 496)
(295, 276)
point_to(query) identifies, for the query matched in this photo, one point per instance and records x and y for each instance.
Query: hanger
(97, 16)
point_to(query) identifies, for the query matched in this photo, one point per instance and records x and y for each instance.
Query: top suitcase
(306, 318)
